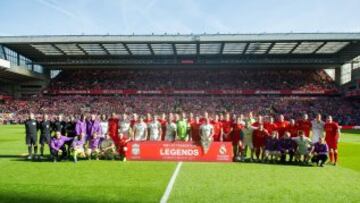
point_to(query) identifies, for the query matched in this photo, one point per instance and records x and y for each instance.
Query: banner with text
(190, 92)
(179, 151)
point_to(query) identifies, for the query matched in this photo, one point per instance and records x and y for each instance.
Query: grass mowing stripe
(166, 195)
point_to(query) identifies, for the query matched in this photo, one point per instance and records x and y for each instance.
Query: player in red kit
(237, 137)
(205, 116)
(259, 137)
(114, 128)
(195, 130)
(260, 121)
(281, 125)
(332, 134)
(218, 129)
(162, 121)
(304, 125)
(148, 118)
(292, 128)
(227, 128)
(270, 126)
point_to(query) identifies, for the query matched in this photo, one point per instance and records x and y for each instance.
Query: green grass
(114, 181)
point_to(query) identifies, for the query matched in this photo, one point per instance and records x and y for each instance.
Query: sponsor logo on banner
(135, 149)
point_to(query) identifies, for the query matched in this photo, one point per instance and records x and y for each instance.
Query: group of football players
(267, 139)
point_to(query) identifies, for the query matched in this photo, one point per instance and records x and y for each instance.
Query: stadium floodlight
(307, 47)
(162, 49)
(332, 47)
(70, 49)
(258, 48)
(185, 49)
(139, 49)
(213, 48)
(47, 49)
(234, 48)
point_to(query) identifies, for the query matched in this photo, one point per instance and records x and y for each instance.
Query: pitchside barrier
(178, 151)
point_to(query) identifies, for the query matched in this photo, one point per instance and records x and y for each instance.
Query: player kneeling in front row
(78, 147)
(303, 148)
(272, 147)
(287, 146)
(107, 149)
(57, 146)
(320, 151)
(93, 150)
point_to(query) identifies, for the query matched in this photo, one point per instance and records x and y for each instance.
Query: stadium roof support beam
(222, 48)
(106, 51)
(79, 47)
(317, 49)
(57, 48)
(150, 48)
(270, 47)
(174, 49)
(127, 49)
(245, 48)
(197, 50)
(296, 46)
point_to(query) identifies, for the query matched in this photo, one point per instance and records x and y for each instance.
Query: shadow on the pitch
(280, 164)
(11, 156)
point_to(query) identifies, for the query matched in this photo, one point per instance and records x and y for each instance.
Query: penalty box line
(171, 183)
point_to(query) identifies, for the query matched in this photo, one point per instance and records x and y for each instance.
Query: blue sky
(48, 17)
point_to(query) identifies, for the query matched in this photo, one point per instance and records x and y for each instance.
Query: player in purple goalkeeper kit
(272, 147)
(92, 126)
(94, 144)
(287, 146)
(320, 152)
(78, 147)
(57, 145)
(80, 127)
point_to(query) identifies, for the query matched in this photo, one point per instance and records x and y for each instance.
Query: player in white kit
(140, 130)
(170, 134)
(206, 135)
(125, 126)
(104, 124)
(248, 139)
(317, 129)
(154, 129)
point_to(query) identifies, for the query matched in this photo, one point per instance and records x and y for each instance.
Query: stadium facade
(28, 61)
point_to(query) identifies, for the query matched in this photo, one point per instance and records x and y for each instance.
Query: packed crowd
(346, 113)
(193, 79)
(268, 139)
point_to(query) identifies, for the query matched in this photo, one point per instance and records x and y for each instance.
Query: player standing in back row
(31, 135)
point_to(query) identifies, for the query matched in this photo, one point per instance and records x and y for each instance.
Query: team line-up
(268, 140)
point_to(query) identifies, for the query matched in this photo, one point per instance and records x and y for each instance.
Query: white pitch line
(169, 187)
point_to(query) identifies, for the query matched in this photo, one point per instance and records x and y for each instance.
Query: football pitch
(115, 181)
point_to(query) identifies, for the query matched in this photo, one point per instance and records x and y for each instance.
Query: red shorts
(259, 142)
(332, 143)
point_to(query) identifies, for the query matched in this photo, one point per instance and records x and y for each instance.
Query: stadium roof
(300, 49)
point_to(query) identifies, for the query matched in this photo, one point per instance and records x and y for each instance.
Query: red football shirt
(217, 130)
(281, 127)
(331, 131)
(293, 130)
(304, 125)
(195, 131)
(236, 133)
(227, 125)
(270, 127)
